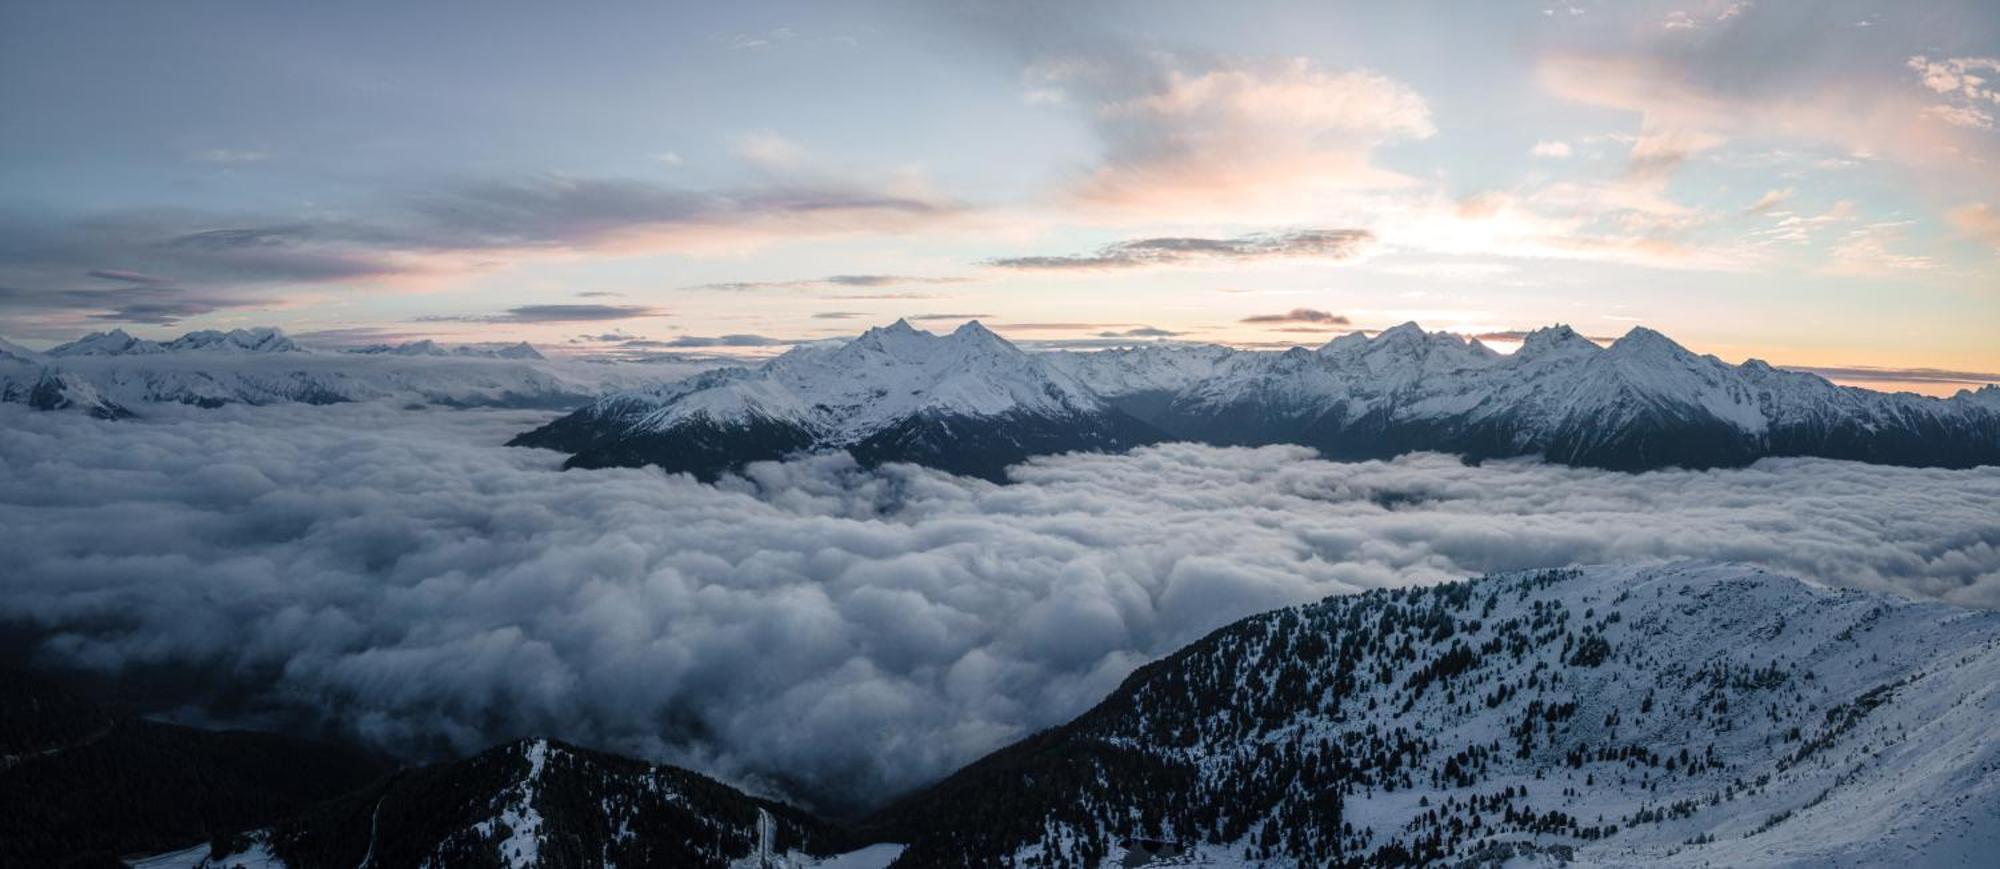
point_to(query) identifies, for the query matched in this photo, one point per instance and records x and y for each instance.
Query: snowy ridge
(1575, 716)
(968, 401)
(844, 394)
(114, 374)
(1645, 402)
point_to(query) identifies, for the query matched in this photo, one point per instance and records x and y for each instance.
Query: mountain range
(972, 403)
(1545, 717)
(113, 374)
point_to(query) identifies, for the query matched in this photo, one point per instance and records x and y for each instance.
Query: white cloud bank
(812, 629)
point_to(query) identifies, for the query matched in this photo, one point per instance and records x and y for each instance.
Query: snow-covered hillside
(114, 374)
(1692, 714)
(975, 402)
(539, 803)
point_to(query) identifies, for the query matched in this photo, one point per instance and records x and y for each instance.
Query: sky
(1814, 184)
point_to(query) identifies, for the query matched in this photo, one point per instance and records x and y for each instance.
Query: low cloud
(831, 282)
(553, 314)
(696, 341)
(810, 629)
(1300, 315)
(1333, 244)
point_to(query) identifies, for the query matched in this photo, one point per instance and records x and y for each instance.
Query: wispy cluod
(1897, 375)
(832, 282)
(1301, 315)
(1337, 244)
(928, 317)
(440, 231)
(143, 302)
(551, 314)
(699, 341)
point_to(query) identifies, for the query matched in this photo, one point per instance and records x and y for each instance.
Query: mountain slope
(76, 780)
(1696, 714)
(968, 402)
(540, 803)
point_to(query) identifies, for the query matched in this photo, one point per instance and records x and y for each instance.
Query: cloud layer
(1330, 244)
(811, 629)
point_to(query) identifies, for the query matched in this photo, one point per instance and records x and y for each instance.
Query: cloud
(444, 232)
(1875, 250)
(1139, 332)
(233, 156)
(810, 629)
(832, 282)
(553, 314)
(1898, 375)
(1963, 82)
(1240, 137)
(1770, 201)
(140, 301)
(691, 341)
(1555, 150)
(1300, 315)
(923, 317)
(1329, 244)
(1976, 221)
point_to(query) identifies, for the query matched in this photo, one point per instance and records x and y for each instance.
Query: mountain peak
(1402, 332)
(973, 331)
(1643, 341)
(116, 342)
(1558, 339)
(1348, 343)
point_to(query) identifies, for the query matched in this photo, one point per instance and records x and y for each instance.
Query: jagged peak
(1402, 332)
(1347, 343)
(1549, 340)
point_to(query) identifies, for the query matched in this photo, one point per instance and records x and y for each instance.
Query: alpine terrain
(1682, 714)
(1694, 714)
(970, 402)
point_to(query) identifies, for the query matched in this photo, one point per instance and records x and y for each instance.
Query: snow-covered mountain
(113, 374)
(970, 401)
(117, 343)
(1692, 714)
(427, 347)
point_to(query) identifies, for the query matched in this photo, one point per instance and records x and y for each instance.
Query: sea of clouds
(809, 629)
